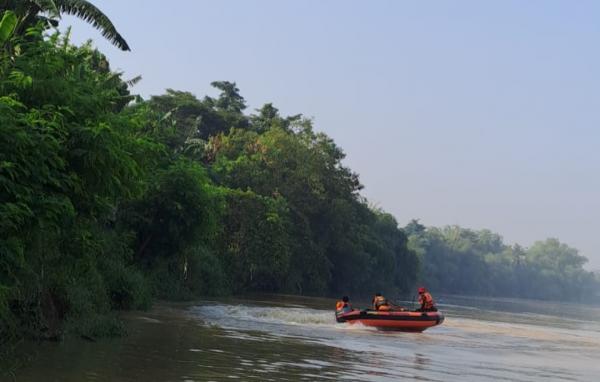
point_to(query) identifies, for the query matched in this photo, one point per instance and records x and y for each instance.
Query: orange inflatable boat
(393, 320)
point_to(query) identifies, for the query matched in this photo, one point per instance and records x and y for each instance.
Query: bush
(205, 273)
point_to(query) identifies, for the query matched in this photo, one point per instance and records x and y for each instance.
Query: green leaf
(91, 14)
(7, 26)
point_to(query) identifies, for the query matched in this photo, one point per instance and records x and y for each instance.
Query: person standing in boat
(380, 302)
(343, 306)
(426, 301)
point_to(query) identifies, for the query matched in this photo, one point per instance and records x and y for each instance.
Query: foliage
(178, 212)
(47, 12)
(333, 233)
(462, 261)
(255, 241)
(67, 160)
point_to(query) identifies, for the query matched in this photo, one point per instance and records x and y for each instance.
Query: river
(282, 338)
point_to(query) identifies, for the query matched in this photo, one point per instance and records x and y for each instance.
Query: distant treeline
(456, 260)
(108, 200)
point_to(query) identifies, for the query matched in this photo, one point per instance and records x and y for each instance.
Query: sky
(484, 114)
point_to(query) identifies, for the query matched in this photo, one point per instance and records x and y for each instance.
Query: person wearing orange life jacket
(426, 301)
(343, 306)
(380, 302)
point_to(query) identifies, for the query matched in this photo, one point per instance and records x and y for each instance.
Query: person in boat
(426, 301)
(343, 306)
(380, 302)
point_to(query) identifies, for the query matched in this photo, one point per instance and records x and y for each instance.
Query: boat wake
(222, 314)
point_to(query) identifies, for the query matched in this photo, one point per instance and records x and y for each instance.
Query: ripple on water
(216, 341)
(464, 347)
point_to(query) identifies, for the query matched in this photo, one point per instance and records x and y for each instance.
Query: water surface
(282, 338)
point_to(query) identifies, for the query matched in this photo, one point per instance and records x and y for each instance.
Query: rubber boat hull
(393, 320)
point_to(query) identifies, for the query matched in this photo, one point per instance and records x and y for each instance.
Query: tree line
(108, 200)
(456, 260)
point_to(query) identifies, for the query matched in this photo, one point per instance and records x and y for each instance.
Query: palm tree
(29, 12)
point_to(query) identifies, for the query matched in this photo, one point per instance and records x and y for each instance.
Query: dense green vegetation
(456, 260)
(108, 200)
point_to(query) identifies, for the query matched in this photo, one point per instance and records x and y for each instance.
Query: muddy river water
(282, 338)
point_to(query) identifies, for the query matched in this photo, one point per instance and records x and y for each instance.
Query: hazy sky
(478, 113)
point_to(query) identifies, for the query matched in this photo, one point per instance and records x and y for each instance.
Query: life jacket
(342, 307)
(426, 301)
(380, 303)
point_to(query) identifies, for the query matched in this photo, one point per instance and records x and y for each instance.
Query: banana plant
(30, 12)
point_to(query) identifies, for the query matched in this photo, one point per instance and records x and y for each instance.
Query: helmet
(345, 299)
(422, 290)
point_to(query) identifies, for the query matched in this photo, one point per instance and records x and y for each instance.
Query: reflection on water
(297, 339)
